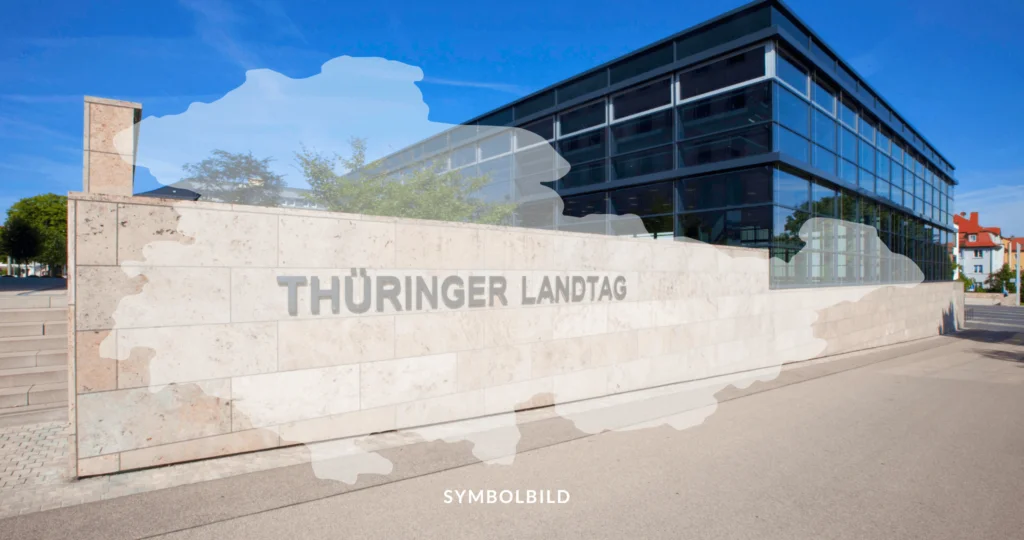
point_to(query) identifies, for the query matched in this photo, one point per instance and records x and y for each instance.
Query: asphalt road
(922, 441)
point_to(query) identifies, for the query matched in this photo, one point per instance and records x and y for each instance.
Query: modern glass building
(734, 132)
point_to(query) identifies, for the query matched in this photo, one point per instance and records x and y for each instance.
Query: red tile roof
(986, 237)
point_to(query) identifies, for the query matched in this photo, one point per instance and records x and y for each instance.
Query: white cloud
(999, 204)
(272, 115)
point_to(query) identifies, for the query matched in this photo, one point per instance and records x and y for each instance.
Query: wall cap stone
(113, 102)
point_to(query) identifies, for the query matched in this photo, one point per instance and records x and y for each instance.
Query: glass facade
(735, 133)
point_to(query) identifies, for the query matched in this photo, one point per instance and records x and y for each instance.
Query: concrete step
(34, 301)
(33, 394)
(24, 329)
(17, 360)
(38, 375)
(33, 414)
(47, 314)
(32, 343)
(38, 328)
(56, 357)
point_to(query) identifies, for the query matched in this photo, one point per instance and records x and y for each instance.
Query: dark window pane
(882, 166)
(897, 195)
(727, 111)
(822, 55)
(824, 160)
(848, 113)
(794, 145)
(848, 172)
(896, 175)
(866, 96)
(582, 118)
(794, 112)
(824, 95)
(869, 213)
(645, 162)
(642, 63)
(735, 144)
(581, 148)
(643, 201)
(866, 180)
(867, 128)
(584, 175)
(824, 130)
(848, 206)
(749, 227)
(656, 227)
(791, 190)
(867, 155)
(500, 118)
(794, 75)
(882, 188)
(846, 77)
(463, 156)
(786, 229)
(786, 24)
(739, 227)
(882, 141)
(645, 132)
(496, 145)
(848, 146)
(722, 32)
(533, 167)
(642, 99)
(585, 85)
(583, 205)
(825, 200)
(497, 170)
(733, 70)
(543, 128)
(535, 104)
(734, 188)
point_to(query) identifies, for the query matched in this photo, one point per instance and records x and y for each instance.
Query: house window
(977, 254)
(973, 238)
(978, 269)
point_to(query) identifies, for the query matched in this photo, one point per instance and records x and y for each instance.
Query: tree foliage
(235, 178)
(429, 192)
(47, 216)
(997, 281)
(20, 239)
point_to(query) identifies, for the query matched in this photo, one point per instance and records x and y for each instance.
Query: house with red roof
(981, 248)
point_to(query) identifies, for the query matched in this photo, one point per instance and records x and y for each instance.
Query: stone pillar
(111, 139)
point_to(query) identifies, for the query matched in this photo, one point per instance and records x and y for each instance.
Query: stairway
(33, 358)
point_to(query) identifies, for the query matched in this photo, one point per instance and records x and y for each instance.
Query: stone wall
(990, 299)
(184, 347)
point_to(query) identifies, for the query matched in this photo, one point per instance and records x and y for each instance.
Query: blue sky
(949, 67)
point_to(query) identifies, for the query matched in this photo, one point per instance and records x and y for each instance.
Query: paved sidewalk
(34, 465)
(32, 455)
(37, 453)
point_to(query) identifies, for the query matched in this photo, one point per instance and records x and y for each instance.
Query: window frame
(610, 110)
(769, 70)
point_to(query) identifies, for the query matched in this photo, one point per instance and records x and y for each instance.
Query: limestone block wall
(185, 345)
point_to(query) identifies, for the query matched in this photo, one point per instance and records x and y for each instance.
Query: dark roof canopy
(168, 192)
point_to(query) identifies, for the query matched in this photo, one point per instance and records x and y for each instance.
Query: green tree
(19, 239)
(428, 192)
(235, 178)
(1001, 279)
(47, 214)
